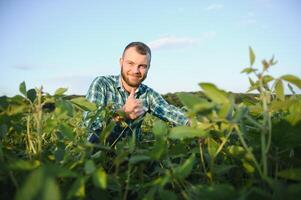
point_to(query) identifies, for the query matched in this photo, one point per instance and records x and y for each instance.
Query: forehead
(133, 55)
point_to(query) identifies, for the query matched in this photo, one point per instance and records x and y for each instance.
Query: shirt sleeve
(95, 94)
(160, 108)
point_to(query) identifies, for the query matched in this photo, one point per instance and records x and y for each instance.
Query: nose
(135, 69)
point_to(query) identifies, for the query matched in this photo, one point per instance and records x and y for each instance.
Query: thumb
(132, 94)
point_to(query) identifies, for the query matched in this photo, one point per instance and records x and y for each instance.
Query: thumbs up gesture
(133, 107)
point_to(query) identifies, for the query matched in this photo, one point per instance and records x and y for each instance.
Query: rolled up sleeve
(160, 108)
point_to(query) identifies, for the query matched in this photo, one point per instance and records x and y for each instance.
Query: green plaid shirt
(108, 90)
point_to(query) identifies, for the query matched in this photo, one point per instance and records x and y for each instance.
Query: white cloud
(171, 42)
(214, 7)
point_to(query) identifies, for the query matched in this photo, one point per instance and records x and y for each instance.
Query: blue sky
(61, 43)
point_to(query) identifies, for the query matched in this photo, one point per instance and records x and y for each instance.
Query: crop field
(246, 149)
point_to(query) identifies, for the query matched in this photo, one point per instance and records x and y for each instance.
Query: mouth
(135, 76)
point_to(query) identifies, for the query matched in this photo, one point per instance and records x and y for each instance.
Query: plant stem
(263, 154)
(117, 139)
(127, 182)
(38, 118)
(265, 128)
(29, 146)
(270, 134)
(14, 180)
(182, 188)
(242, 140)
(202, 158)
(223, 143)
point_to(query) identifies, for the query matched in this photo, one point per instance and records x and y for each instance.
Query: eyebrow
(144, 65)
(127, 60)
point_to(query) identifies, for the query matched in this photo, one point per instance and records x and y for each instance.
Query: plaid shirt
(106, 90)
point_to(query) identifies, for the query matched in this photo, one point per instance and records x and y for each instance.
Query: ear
(120, 62)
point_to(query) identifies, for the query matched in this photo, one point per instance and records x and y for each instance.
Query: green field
(239, 146)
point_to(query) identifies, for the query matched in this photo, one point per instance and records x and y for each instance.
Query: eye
(143, 66)
(130, 63)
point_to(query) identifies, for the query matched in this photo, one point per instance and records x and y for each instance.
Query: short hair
(141, 48)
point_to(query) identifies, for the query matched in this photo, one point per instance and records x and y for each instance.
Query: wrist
(125, 112)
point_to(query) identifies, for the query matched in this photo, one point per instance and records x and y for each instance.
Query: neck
(126, 86)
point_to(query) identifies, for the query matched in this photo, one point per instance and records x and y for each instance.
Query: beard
(126, 78)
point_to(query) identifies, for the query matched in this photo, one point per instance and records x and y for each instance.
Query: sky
(68, 43)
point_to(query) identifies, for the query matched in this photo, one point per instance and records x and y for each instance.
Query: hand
(133, 107)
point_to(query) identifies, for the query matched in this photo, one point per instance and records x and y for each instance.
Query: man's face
(134, 68)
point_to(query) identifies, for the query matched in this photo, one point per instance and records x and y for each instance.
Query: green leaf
(51, 190)
(24, 165)
(248, 167)
(56, 171)
(39, 185)
(100, 178)
(215, 94)
(291, 174)
(158, 149)
(292, 79)
(67, 131)
(254, 86)
(251, 81)
(161, 181)
(32, 95)
(59, 154)
(272, 61)
(189, 100)
(293, 191)
(212, 147)
(203, 107)
(248, 70)
(279, 89)
(107, 130)
(160, 128)
(138, 158)
(294, 116)
(4, 102)
(165, 194)
(214, 192)
(267, 78)
(240, 113)
(265, 65)
(64, 107)
(17, 109)
(291, 88)
(22, 89)
(236, 151)
(60, 91)
(222, 169)
(183, 132)
(225, 110)
(150, 194)
(77, 189)
(184, 169)
(252, 56)
(84, 104)
(3, 130)
(89, 167)
(195, 103)
(31, 186)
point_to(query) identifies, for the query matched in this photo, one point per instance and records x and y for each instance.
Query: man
(127, 93)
